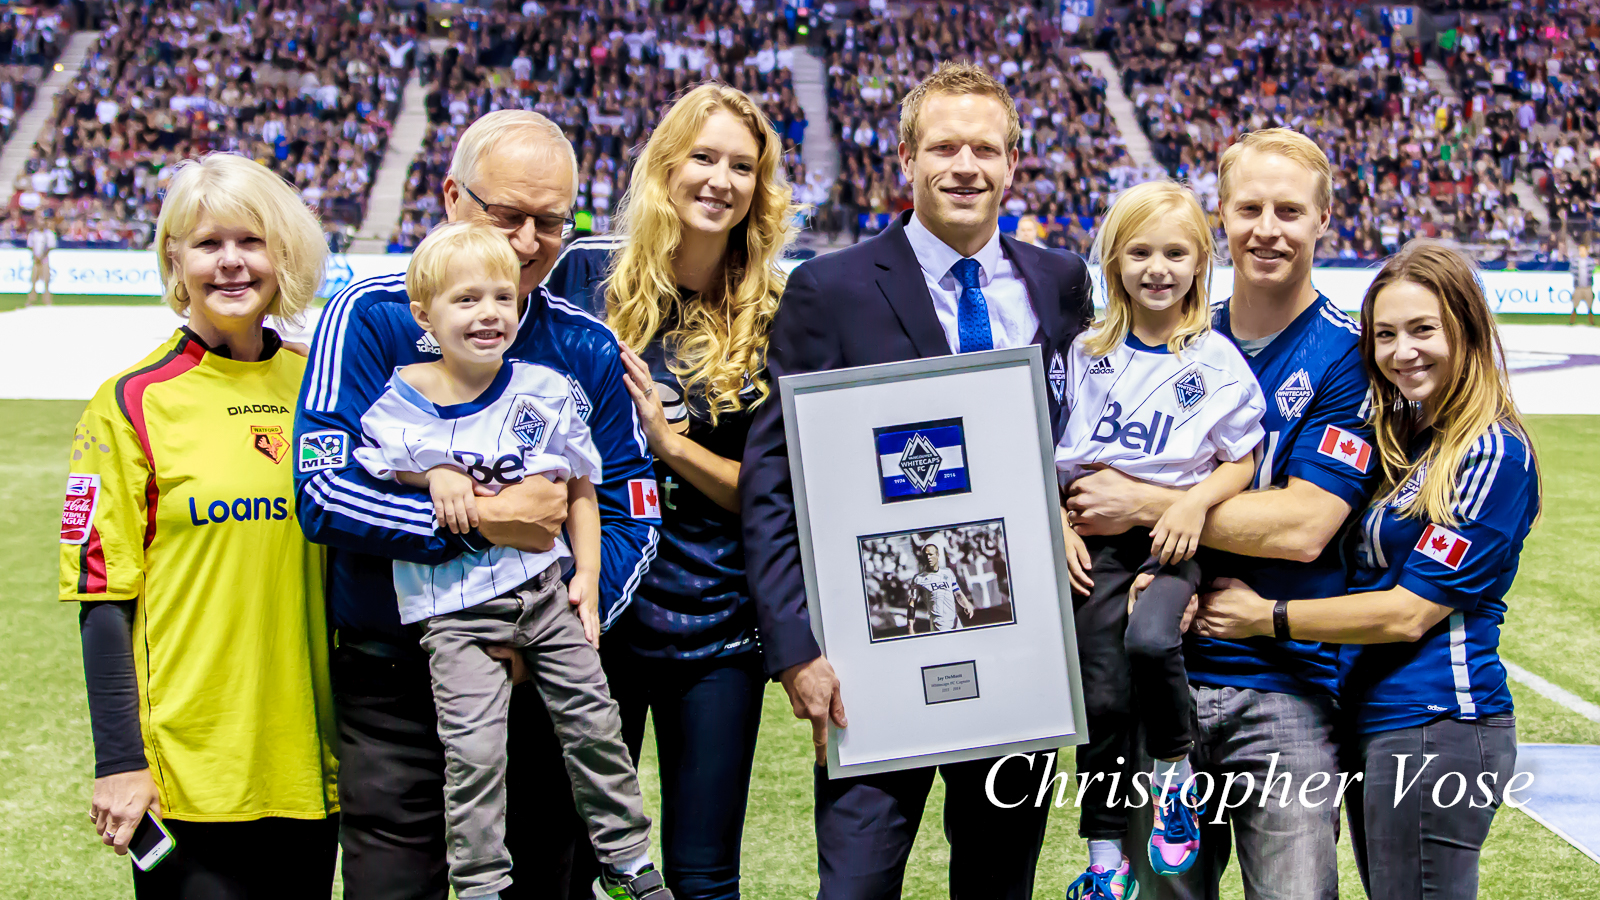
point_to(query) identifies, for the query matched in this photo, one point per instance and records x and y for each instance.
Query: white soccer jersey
(939, 588)
(1160, 417)
(525, 424)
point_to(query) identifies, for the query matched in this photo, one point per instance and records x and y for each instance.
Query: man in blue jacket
(514, 170)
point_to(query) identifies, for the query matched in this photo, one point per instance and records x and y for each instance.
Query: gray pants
(1286, 850)
(473, 696)
(1418, 847)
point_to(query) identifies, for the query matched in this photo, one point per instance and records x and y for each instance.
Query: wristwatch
(1280, 620)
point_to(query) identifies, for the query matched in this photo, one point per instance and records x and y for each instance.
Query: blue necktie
(972, 311)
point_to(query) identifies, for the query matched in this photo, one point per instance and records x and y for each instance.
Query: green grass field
(48, 849)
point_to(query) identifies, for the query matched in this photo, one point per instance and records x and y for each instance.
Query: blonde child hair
(455, 242)
(1132, 214)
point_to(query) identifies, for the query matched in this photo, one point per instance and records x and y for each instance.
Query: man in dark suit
(939, 280)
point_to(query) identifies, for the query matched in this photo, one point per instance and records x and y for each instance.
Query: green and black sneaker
(646, 885)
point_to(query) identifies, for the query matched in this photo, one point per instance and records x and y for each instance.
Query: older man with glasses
(516, 171)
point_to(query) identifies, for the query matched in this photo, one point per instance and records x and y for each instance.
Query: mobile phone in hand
(151, 842)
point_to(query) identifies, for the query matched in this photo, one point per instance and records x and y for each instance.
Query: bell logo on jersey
(77, 514)
(1152, 438)
(1058, 376)
(1294, 394)
(1189, 389)
(1346, 447)
(1443, 546)
(643, 500)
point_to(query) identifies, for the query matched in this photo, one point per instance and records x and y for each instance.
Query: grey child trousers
(473, 695)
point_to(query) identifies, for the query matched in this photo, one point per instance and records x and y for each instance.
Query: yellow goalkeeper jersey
(181, 496)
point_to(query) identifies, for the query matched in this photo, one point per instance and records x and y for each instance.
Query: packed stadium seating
(1072, 157)
(309, 90)
(605, 74)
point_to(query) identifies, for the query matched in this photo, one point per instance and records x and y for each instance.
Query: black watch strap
(1280, 620)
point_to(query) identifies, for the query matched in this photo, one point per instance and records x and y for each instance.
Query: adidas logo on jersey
(426, 344)
(1102, 366)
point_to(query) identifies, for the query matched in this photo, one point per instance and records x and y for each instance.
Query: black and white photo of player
(935, 581)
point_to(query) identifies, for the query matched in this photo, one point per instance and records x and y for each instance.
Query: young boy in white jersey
(1153, 393)
(469, 424)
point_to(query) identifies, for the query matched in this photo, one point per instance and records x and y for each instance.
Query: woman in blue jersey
(1437, 551)
(691, 293)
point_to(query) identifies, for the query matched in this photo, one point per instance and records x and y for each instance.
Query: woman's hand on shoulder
(642, 388)
(119, 803)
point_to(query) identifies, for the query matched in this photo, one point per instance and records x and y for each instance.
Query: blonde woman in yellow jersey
(204, 642)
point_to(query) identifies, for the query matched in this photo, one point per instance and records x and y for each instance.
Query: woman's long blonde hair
(1132, 214)
(721, 334)
(1476, 396)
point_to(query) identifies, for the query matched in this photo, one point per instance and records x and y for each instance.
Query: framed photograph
(930, 537)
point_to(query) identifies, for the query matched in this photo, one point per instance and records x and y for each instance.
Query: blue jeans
(1286, 850)
(1416, 847)
(706, 714)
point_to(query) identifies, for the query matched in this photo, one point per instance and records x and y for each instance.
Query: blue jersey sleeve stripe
(1340, 320)
(404, 508)
(1483, 463)
(561, 304)
(328, 368)
(318, 491)
(634, 578)
(1487, 484)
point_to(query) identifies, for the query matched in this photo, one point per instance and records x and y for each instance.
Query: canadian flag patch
(77, 513)
(643, 499)
(1347, 447)
(1444, 546)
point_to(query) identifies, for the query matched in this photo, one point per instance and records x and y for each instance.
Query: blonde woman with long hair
(1159, 396)
(1435, 556)
(693, 282)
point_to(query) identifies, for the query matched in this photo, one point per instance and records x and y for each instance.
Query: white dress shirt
(1012, 321)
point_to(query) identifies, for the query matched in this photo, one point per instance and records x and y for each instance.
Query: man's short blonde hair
(955, 78)
(487, 133)
(1291, 145)
(241, 192)
(458, 243)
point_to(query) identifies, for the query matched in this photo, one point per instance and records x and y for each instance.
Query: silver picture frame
(1008, 465)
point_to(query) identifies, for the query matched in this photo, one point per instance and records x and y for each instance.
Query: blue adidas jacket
(364, 334)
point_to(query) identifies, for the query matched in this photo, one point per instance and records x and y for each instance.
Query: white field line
(1551, 692)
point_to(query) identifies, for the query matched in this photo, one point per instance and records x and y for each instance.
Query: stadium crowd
(1072, 157)
(604, 73)
(1410, 162)
(308, 90)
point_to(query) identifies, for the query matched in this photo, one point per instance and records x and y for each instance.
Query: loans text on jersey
(919, 461)
(528, 426)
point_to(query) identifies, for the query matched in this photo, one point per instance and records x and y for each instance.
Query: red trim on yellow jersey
(130, 390)
(92, 565)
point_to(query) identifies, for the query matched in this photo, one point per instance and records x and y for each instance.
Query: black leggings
(266, 859)
(1130, 662)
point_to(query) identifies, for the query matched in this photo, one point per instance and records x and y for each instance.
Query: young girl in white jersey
(468, 424)
(1155, 394)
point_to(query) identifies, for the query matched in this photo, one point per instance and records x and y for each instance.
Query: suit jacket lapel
(1044, 294)
(901, 280)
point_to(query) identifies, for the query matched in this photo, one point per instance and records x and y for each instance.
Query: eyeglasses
(510, 219)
